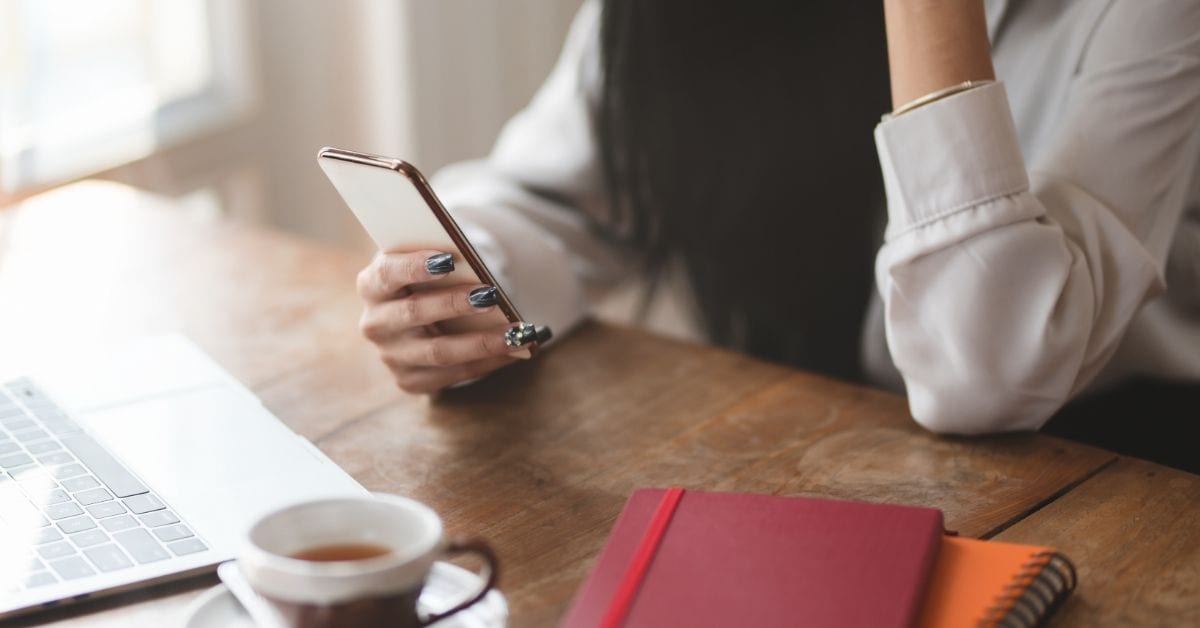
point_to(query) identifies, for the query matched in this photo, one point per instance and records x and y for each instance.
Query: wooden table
(540, 458)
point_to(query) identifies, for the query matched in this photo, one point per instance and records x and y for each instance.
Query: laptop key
(31, 435)
(80, 483)
(119, 480)
(187, 546)
(55, 496)
(89, 538)
(93, 496)
(60, 427)
(7, 447)
(172, 533)
(141, 504)
(141, 546)
(49, 413)
(38, 579)
(56, 550)
(67, 471)
(107, 558)
(124, 522)
(14, 460)
(76, 524)
(35, 480)
(19, 422)
(58, 457)
(62, 511)
(71, 568)
(106, 509)
(47, 535)
(43, 447)
(158, 518)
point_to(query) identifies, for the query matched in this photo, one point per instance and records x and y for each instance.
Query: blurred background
(222, 104)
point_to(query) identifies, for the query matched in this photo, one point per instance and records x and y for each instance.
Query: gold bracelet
(938, 95)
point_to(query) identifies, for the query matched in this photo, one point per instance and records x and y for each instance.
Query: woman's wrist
(934, 45)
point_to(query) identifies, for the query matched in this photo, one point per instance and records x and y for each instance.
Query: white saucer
(447, 585)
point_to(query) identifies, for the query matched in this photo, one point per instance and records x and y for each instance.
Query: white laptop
(136, 466)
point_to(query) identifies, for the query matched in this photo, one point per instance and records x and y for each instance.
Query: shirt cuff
(949, 155)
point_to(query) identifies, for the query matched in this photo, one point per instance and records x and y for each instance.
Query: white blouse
(1043, 234)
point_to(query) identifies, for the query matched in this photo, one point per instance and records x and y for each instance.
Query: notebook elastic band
(631, 581)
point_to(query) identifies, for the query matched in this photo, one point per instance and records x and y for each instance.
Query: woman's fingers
(427, 380)
(401, 322)
(423, 361)
(385, 320)
(419, 348)
(390, 273)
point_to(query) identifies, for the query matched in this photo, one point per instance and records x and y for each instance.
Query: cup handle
(490, 574)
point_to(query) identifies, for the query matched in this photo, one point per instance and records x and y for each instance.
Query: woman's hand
(400, 322)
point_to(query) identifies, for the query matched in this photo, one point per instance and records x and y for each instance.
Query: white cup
(372, 591)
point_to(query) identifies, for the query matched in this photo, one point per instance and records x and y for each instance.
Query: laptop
(135, 466)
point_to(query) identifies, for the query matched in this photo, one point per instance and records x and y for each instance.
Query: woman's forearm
(934, 44)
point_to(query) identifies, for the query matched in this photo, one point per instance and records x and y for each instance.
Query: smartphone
(399, 210)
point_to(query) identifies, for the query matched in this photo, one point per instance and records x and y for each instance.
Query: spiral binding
(1035, 594)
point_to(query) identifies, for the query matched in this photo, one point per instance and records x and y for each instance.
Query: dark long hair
(736, 136)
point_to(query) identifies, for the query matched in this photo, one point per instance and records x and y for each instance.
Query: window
(86, 86)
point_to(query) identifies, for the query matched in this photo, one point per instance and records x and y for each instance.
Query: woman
(1033, 224)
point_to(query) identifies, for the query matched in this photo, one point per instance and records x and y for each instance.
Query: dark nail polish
(440, 264)
(486, 296)
(525, 333)
(521, 335)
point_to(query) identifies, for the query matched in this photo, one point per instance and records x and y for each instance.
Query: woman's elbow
(980, 407)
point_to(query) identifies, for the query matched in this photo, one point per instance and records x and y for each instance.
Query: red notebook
(690, 558)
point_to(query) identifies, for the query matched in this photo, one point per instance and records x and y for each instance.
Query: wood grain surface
(539, 458)
(1133, 533)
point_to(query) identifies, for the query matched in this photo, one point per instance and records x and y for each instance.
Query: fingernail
(440, 264)
(544, 334)
(525, 333)
(486, 296)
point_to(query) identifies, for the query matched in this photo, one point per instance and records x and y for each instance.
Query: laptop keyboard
(68, 508)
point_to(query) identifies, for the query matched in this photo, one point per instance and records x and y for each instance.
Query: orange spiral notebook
(985, 583)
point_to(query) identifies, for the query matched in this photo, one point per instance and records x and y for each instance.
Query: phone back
(399, 211)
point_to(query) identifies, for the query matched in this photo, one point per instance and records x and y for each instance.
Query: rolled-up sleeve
(1008, 285)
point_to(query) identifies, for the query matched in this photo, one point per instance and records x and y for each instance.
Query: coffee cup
(353, 562)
